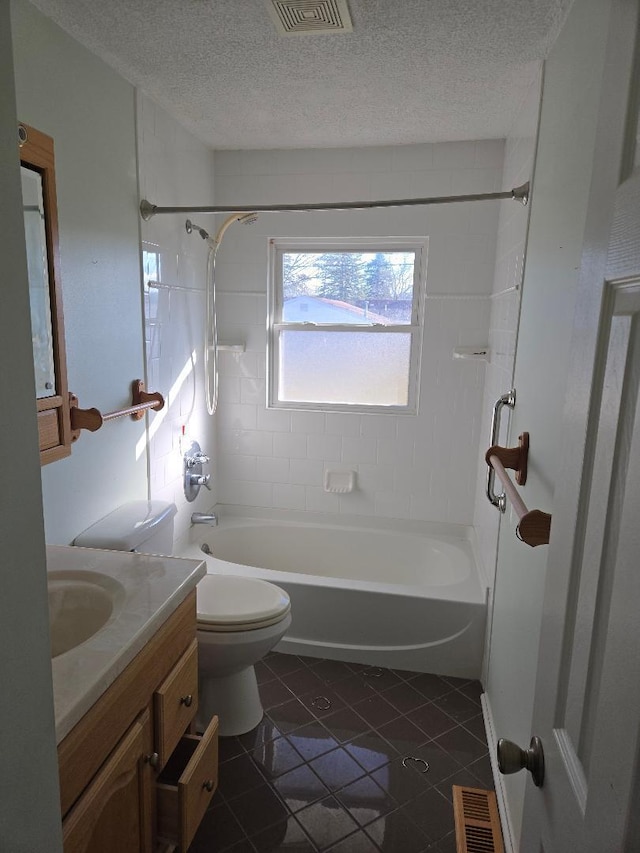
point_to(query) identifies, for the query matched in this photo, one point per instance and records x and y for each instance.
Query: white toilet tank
(144, 526)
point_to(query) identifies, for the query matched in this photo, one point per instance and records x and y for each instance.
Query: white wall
(505, 312)
(571, 92)
(175, 169)
(29, 795)
(88, 109)
(408, 467)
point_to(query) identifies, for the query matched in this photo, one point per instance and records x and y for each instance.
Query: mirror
(36, 239)
(47, 321)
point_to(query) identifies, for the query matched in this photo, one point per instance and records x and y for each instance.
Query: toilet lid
(228, 601)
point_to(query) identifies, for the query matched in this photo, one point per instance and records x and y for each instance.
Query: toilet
(239, 619)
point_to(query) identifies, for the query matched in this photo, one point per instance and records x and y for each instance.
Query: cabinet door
(47, 321)
(115, 811)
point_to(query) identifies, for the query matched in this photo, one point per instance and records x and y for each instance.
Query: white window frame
(275, 324)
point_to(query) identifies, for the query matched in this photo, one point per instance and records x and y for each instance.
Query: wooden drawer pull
(186, 700)
(208, 785)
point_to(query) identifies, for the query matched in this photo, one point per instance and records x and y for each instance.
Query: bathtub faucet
(204, 518)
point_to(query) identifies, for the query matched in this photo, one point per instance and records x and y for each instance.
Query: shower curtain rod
(521, 194)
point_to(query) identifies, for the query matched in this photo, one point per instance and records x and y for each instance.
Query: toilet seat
(231, 603)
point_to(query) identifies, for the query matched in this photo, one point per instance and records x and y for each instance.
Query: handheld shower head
(248, 218)
(244, 218)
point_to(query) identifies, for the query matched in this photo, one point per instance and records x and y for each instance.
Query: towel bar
(534, 526)
(93, 419)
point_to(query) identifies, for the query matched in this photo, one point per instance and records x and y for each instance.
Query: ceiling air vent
(305, 17)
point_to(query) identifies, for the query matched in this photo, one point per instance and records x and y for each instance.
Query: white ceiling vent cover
(305, 17)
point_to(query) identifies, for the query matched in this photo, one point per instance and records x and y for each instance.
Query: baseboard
(508, 836)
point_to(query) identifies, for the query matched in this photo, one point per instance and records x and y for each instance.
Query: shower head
(248, 218)
(191, 227)
(244, 218)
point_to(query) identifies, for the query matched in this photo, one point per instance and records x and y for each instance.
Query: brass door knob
(512, 759)
(186, 700)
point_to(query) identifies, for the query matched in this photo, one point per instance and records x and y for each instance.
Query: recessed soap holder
(339, 482)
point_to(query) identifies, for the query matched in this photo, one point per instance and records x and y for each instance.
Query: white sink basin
(80, 604)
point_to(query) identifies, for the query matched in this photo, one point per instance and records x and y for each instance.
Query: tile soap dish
(339, 482)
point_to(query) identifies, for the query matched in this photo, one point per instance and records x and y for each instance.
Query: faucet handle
(200, 480)
(198, 458)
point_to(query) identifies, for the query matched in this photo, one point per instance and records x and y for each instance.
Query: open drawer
(185, 787)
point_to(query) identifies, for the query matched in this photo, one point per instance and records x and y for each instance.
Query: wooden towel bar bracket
(92, 419)
(514, 458)
(534, 526)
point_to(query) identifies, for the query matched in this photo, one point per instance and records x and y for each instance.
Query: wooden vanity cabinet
(132, 777)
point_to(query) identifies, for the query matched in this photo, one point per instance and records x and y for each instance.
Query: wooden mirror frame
(54, 426)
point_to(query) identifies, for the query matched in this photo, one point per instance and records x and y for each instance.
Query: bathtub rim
(227, 512)
(466, 592)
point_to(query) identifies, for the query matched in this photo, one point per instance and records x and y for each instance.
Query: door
(587, 705)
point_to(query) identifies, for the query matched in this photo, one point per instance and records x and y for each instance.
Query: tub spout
(204, 518)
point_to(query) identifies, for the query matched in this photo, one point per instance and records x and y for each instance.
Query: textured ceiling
(411, 71)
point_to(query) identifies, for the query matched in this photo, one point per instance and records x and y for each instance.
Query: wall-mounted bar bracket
(514, 458)
(145, 400)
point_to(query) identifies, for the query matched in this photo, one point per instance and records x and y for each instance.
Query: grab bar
(508, 399)
(534, 526)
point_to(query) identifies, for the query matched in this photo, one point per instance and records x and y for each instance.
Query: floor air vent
(304, 17)
(477, 821)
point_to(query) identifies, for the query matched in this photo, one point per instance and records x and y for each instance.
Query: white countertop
(154, 586)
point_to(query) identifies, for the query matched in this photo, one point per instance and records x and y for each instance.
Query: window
(150, 263)
(345, 324)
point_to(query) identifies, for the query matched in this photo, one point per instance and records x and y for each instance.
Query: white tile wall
(505, 308)
(175, 169)
(419, 467)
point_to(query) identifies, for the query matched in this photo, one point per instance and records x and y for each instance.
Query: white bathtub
(388, 597)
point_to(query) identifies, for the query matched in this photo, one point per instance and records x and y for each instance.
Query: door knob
(512, 759)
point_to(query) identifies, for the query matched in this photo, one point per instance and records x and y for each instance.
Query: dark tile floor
(324, 769)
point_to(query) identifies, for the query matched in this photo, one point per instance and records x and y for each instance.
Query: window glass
(373, 287)
(348, 287)
(344, 368)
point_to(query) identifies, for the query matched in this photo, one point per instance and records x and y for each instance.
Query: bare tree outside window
(379, 282)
